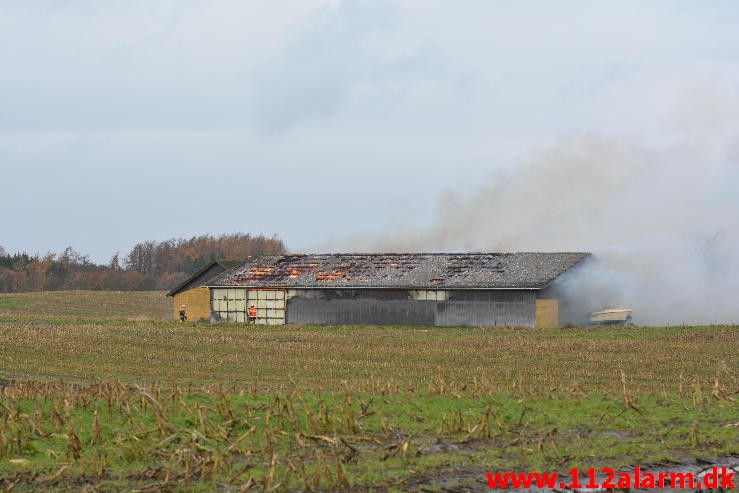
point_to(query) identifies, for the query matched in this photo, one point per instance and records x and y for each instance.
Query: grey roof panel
(205, 274)
(524, 270)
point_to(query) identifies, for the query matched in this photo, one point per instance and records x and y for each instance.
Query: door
(270, 304)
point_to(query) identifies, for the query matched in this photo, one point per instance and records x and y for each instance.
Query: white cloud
(355, 114)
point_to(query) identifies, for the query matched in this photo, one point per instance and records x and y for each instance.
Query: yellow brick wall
(547, 313)
(197, 304)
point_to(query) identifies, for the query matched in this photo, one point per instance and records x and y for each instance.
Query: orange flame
(329, 276)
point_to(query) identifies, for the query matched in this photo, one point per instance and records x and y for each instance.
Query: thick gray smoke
(661, 218)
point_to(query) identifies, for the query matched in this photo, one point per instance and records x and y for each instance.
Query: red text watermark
(716, 477)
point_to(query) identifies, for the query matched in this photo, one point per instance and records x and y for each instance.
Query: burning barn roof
(526, 270)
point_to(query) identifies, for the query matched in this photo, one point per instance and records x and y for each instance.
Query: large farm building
(441, 289)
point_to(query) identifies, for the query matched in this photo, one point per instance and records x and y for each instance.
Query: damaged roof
(525, 270)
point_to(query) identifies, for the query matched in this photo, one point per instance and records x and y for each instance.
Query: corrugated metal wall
(487, 309)
(473, 308)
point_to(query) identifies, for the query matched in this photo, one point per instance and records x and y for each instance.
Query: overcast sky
(123, 121)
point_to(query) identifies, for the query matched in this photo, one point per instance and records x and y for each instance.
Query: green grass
(377, 440)
(366, 408)
(133, 305)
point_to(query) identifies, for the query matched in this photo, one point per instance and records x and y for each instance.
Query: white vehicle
(612, 316)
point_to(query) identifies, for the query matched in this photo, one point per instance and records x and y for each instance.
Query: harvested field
(133, 305)
(367, 358)
(97, 398)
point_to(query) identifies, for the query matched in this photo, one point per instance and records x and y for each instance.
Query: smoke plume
(661, 218)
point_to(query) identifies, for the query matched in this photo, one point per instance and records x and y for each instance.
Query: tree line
(150, 265)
